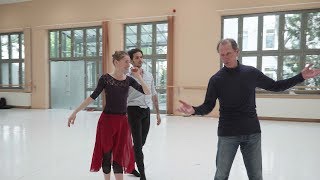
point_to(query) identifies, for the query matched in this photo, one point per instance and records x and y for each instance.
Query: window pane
(270, 32)
(162, 96)
(4, 47)
(162, 49)
(250, 33)
(147, 50)
(91, 42)
(161, 82)
(315, 60)
(313, 31)
(161, 76)
(250, 61)
(162, 38)
(66, 43)
(15, 74)
(91, 74)
(230, 28)
(5, 73)
(291, 66)
(54, 44)
(147, 65)
(100, 69)
(292, 34)
(67, 84)
(146, 39)
(270, 66)
(162, 34)
(14, 46)
(78, 43)
(131, 37)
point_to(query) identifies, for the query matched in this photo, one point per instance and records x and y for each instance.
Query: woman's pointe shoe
(135, 173)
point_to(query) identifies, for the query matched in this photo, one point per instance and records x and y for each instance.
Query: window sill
(14, 90)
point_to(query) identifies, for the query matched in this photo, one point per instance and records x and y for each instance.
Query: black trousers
(139, 120)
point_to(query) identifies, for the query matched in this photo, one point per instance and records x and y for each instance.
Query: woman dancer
(113, 139)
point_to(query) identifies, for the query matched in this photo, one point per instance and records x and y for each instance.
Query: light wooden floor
(38, 145)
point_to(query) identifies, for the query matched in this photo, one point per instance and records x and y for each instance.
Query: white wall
(288, 108)
(17, 98)
(269, 106)
(197, 30)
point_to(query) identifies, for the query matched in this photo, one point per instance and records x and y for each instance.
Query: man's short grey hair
(226, 41)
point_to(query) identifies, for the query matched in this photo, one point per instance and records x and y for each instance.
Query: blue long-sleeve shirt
(235, 90)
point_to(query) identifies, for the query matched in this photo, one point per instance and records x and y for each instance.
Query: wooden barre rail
(296, 88)
(15, 85)
(205, 87)
(185, 87)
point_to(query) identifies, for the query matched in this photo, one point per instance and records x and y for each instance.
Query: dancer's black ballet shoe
(143, 177)
(135, 173)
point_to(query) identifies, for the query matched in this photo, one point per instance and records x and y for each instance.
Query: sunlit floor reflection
(38, 145)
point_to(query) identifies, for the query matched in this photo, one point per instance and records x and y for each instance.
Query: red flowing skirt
(113, 134)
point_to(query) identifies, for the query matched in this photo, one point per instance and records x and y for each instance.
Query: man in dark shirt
(234, 85)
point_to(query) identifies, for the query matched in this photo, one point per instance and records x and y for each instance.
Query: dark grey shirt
(235, 90)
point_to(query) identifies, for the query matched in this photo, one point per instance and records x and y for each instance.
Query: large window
(279, 44)
(12, 60)
(75, 65)
(152, 39)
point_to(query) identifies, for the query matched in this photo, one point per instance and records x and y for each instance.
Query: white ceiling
(11, 1)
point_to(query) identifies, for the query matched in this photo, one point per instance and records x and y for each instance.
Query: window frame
(11, 61)
(97, 104)
(281, 51)
(154, 56)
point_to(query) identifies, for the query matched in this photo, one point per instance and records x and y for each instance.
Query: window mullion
(84, 43)
(154, 52)
(260, 41)
(98, 42)
(1, 62)
(72, 44)
(240, 35)
(125, 45)
(281, 49)
(20, 63)
(139, 36)
(281, 31)
(60, 44)
(303, 43)
(10, 59)
(0, 48)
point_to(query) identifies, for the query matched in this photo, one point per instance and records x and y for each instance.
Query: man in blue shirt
(234, 86)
